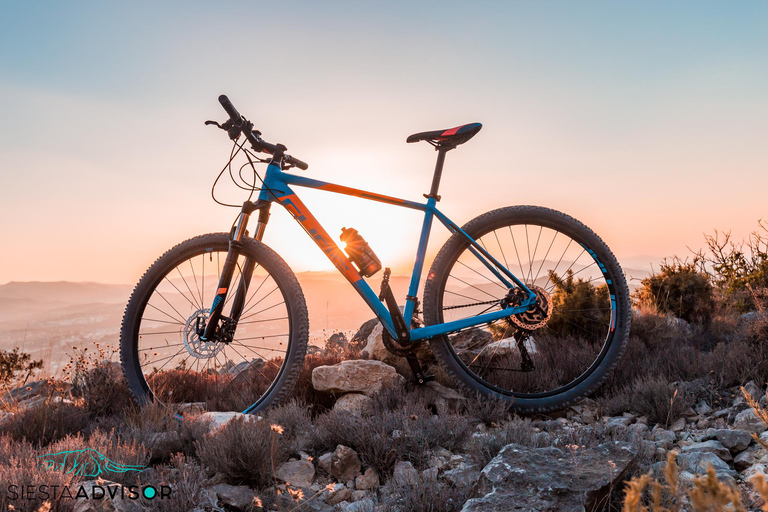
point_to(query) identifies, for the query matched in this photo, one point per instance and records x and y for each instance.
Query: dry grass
(243, 452)
(46, 423)
(427, 496)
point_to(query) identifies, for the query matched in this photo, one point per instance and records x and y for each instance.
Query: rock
(368, 480)
(753, 471)
(712, 446)
(405, 474)
(430, 475)
(749, 420)
(324, 462)
(753, 390)
(298, 473)
(698, 462)
(354, 403)
(443, 398)
(734, 440)
(360, 338)
(365, 505)
(337, 342)
(744, 460)
(547, 478)
(359, 376)
(663, 437)
(617, 424)
(359, 495)
(237, 497)
(702, 408)
(190, 408)
(337, 496)
(219, 419)
(466, 476)
(99, 498)
(375, 350)
(345, 464)
(678, 425)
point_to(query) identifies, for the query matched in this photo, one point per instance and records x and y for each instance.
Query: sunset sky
(648, 121)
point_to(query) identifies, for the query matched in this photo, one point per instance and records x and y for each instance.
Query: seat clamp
(432, 196)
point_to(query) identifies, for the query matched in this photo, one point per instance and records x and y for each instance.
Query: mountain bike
(522, 303)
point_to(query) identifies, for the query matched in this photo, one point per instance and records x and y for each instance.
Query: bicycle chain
(497, 301)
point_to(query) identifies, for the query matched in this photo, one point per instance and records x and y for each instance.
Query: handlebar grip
(298, 163)
(231, 110)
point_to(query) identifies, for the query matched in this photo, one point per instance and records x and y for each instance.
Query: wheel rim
(175, 366)
(572, 342)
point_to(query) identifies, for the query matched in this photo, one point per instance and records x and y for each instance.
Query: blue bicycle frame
(277, 188)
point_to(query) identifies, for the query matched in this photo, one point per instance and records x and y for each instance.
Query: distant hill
(47, 318)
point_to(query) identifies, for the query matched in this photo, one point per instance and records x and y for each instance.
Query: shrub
(186, 479)
(16, 366)
(659, 401)
(243, 452)
(680, 290)
(46, 422)
(578, 305)
(102, 389)
(111, 446)
(19, 466)
(482, 449)
(406, 433)
(296, 421)
(487, 410)
(739, 266)
(428, 496)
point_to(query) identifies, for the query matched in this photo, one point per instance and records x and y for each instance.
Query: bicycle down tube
(276, 189)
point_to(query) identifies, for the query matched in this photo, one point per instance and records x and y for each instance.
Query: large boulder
(550, 479)
(357, 376)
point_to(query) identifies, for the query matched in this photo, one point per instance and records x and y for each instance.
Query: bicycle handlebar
(257, 143)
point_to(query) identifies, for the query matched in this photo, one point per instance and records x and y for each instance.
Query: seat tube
(418, 265)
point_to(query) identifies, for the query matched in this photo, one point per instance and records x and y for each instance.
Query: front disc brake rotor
(192, 342)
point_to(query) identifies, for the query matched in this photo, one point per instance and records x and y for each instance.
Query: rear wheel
(163, 356)
(565, 345)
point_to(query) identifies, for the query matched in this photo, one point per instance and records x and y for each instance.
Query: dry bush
(111, 446)
(296, 421)
(680, 289)
(407, 433)
(187, 481)
(46, 422)
(19, 466)
(427, 496)
(482, 449)
(243, 451)
(659, 401)
(102, 389)
(489, 411)
(647, 494)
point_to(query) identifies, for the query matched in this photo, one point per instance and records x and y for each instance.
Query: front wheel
(564, 346)
(163, 357)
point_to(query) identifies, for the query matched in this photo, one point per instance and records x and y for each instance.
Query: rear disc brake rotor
(538, 314)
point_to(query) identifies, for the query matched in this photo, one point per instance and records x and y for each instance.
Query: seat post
(441, 151)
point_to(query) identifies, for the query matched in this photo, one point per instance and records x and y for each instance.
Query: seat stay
(276, 189)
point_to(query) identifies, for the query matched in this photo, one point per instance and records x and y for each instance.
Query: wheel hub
(538, 314)
(192, 342)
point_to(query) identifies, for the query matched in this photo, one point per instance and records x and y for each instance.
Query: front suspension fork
(239, 232)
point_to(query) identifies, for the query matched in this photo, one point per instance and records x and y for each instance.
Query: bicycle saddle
(452, 136)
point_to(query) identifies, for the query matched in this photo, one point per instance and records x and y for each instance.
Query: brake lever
(230, 127)
(215, 123)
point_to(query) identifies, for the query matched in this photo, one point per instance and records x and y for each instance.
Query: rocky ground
(578, 459)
